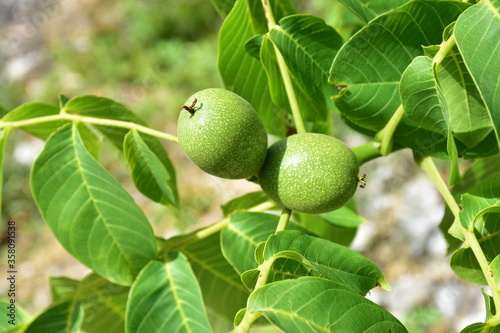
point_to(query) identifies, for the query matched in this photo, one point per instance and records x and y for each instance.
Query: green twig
(444, 49)
(367, 151)
(89, 120)
(285, 74)
(427, 164)
(386, 135)
(284, 218)
(210, 230)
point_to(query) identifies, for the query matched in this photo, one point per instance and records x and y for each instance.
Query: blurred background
(151, 56)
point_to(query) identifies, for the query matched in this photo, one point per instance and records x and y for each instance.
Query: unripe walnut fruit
(310, 173)
(222, 134)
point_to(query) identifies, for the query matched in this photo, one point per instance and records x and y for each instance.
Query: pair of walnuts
(223, 135)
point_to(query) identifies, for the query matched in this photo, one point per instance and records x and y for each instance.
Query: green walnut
(222, 134)
(310, 173)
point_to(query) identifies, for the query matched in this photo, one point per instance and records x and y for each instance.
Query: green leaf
(242, 236)
(369, 9)
(104, 304)
(468, 115)
(480, 200)
(324, 229)
(90, 140)
(149, 173)
(244, 233)
(63, 99)
(223, 7)
(308, 46)
(4, 136)
(421, 96)
(313, 112)
(88, 211)
(166, 297)
(333, 261)
(478, 171)
(489, 303)
(64, 317)
(221, 286)
(253, 45)
(338, 226)
(102, 301)
(372, 62)
(495, 270)
(244, 202)
(12, 315)
(32, 111)
(62, 288)
(480, 328)
(101, 107)
(476, 34)
(464, 263)
(238, 68)
(344, 217)
(311, 304)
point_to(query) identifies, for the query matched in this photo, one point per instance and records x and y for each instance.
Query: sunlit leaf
(166, 298)
(63, 317)
(4, 136)
(311, 304)
(104, 304)
(149, 173)
(476, 33)
(62, 288)
(13, 315)
(221, 286)
(88, 211)
(32, 111)
(244, 202)
(372, 62)
(495, 270)
(243, 235)
(101, 107)
(333, 261)
(369, 9)
(241, 72)
(223, 6)
(486, 228)
(308, 46)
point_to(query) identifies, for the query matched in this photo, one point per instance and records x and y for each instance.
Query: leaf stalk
(285, 74)
(428, 165)
(89, 120)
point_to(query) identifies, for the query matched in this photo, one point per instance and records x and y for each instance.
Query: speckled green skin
(310, 173)
(225, 136)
